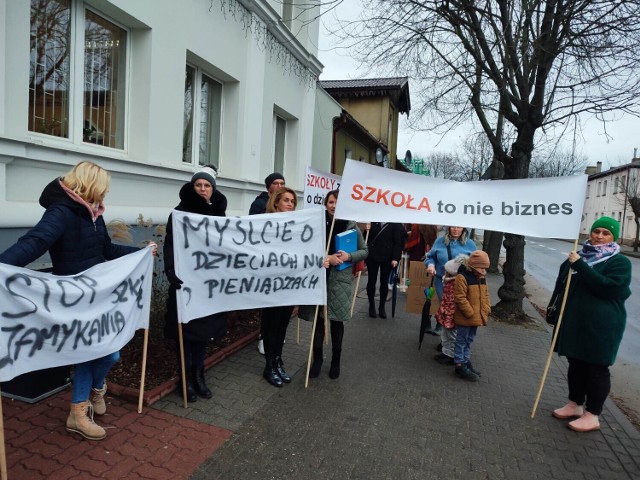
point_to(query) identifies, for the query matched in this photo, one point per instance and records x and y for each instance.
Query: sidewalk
(394, 413)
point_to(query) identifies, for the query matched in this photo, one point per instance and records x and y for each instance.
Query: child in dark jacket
(473, 306)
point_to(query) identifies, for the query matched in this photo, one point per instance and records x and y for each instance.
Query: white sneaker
(261, 346)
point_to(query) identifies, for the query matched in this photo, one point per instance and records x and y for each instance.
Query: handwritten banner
(49, 320)
(236, 263)
(540, 207)
(317, 185)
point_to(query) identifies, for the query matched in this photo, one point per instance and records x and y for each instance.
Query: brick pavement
(393, 414)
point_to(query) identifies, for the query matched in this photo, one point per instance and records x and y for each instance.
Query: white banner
(51, 320)
(236, 263)
(317, 185)
(538, 207)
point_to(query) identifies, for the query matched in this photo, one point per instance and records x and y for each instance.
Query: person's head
(204, 182)
(274, 182)
(89, 181)
(282, 200)
(330, 201)
(455, 233)
(479, 261)
(604, 230)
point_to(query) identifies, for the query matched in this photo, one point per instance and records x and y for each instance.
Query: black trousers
(337, 334)
(588, 382)
(275, 321)
(373, 268)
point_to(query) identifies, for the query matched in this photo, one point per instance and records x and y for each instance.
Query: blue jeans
(464, 339)
(90, 375)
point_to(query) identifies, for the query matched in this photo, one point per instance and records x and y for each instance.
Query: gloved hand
(174, 281)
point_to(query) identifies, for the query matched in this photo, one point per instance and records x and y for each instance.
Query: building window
(58, 67)
(599, 188)
(588, 189)
(202, 107)
(604, 187)
(279, 142)
(623, 183)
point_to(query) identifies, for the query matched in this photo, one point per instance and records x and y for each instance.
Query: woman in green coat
(338, 289)
(593, 321)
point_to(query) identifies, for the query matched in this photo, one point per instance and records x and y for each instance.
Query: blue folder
(348, 242)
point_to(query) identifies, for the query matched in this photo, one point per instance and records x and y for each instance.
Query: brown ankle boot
(80, 421)
(97, 399)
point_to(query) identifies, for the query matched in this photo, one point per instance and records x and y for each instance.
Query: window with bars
(203, 108)
(76, 89)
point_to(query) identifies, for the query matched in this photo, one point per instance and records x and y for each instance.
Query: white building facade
(151, 90)
(607, 194)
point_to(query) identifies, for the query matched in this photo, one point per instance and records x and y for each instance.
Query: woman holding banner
(593, 321)
(200, 196)
(339, 284)
(73, 231)
(275, 320)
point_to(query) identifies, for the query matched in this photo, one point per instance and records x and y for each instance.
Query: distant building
(375, 104)
(607, 194)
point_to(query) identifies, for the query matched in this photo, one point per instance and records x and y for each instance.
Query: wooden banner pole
(555, 337)
(145, 345)
(355, 293)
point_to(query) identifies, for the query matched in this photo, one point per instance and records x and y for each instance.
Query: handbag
(551, 316)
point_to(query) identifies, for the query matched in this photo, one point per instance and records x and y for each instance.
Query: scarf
(593, 254)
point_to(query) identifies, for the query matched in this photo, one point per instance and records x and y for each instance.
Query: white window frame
(278, 166)
(196, 112)
(78, 11)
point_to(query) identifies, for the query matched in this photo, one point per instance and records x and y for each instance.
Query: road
(542, 260)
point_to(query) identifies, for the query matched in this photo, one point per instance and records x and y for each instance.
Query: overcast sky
(592, 143)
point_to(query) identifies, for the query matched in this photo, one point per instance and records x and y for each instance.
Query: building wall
(163, 37)
(379, 117)
(326, 110)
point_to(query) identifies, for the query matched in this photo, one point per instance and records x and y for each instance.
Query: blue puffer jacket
(74, 241)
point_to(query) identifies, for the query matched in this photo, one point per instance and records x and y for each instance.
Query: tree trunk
(512, 292)
(491, 244)
(635, 244)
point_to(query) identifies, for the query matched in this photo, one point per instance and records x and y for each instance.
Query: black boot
(316, 366)
(334, 371)
(270, 373)
(372, 309)
(279, 364)
(381, 311)
(191, 393)
(199, 384)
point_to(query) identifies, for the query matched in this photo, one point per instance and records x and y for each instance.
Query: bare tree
(557, 164)
(443, 165)
(537, 62)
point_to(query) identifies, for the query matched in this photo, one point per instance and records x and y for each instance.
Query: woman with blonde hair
(275, 320)
(73, 231)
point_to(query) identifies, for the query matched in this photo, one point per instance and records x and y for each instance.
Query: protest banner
(237, 263)
(317, 184)
(538, 207)
(51, 320)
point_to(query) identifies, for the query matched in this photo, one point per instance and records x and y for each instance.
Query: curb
(155, 394)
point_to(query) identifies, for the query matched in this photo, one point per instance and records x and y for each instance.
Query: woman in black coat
(197, 196)
(385, 248)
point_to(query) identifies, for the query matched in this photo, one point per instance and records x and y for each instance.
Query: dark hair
(332, 192)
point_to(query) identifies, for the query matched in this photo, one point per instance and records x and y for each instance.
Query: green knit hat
(610, 224)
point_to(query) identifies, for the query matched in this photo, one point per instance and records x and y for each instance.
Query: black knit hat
(272, 178)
